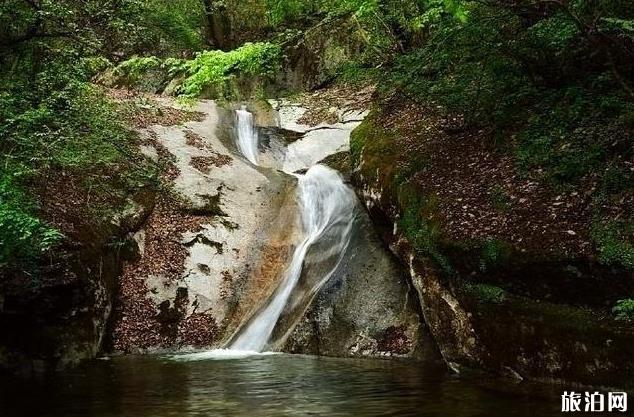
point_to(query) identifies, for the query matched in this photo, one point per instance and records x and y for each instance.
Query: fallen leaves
(478, 191)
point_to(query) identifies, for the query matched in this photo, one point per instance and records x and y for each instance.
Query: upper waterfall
(247, 135)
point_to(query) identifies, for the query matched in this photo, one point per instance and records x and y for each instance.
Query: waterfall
(247, 135)
(327, 210)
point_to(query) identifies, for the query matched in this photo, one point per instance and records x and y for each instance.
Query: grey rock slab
(248, 202)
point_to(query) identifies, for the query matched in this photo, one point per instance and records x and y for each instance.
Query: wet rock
(367, 308)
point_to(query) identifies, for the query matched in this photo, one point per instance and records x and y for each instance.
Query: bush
(61, 126)
(23, 236)
(614, 243)
(624, 310)
(494, 253)
(486, 293)
(136, 66)
(214, 68)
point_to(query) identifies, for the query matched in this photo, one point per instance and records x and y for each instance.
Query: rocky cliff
(509, 286)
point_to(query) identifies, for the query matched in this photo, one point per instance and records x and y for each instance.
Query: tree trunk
(210, 18)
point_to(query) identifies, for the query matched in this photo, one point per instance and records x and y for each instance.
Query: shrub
(486, 293)
(499, 199)
(22, 235)
(214, 68)
(624, 310)
(70, 128)
(494, 253)
(136, 66)
(614, 243)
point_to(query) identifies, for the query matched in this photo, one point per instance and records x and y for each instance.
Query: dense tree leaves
(52, 120)
(552, 80)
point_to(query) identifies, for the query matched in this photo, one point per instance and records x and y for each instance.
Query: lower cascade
(327, 208)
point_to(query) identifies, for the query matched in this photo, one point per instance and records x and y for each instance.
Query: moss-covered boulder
(502, 286)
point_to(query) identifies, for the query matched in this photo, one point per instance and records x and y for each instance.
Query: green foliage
(554, 33)
(59, 125)
(545, 87)
(53, 121)
(102, 27)
(68, 128)
(215, 68)
(136, 66)
(624, 310)
(176, 25)
(499, 199)
(573, 134)
(486, 293)
(461, 68)
(494, 253)
(22, 235)
(353, 73)
(280, 11)
(614, 241)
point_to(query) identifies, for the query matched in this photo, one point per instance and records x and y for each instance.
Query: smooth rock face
(235, 250)
(367, 308)
(249, 199)
(236, 255)
(317, 142)
(62, 319)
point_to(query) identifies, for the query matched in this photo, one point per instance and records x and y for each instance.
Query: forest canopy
(552, 81)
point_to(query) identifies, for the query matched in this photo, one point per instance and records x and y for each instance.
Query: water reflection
(268, 385)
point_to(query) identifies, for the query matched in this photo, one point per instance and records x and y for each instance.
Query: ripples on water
(267, 385)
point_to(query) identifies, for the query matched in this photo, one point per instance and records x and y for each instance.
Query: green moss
(614, 243)
(486, 293)
(358, 139)
(410, 167)
(494, 253)
(418, 226)
(374, 151)
(624, 310)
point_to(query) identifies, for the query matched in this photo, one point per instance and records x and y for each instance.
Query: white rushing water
(327, 209)
(247, 135)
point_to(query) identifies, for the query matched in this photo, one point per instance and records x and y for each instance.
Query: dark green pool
(276, 385)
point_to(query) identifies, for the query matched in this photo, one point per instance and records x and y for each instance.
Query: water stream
(247, 135)
(327, 210)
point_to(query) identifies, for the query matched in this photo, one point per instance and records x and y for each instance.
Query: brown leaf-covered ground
(142, 110)
(477, 192)
(139, 323)
(321, 105)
